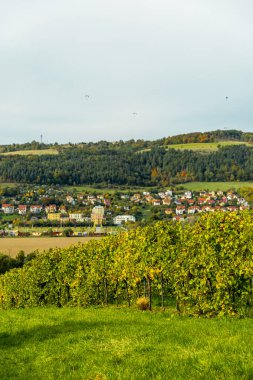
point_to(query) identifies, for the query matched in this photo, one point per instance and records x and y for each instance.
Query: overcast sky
(151, 68)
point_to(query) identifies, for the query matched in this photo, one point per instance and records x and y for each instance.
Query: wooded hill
(133, 162)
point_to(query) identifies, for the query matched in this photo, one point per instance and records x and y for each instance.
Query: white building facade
(119, 219)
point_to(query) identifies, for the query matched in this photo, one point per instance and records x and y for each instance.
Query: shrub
(142, 303)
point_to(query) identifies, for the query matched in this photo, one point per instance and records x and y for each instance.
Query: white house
(22, 209)
(78, 217)
(36, 209)
(168, 193)
(188, 194)
(180, 210)
(8, 209)
(123, 218)
(191, 210)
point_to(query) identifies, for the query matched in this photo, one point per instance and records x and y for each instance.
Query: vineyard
(207, 268)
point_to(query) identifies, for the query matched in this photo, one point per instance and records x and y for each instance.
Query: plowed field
(11, 246)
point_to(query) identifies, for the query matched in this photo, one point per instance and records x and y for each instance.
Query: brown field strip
(11, 246)
(31, 152)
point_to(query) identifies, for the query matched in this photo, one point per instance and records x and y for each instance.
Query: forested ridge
(76, 166)
(185, 138)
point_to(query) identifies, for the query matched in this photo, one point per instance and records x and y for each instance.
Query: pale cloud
(172, 62)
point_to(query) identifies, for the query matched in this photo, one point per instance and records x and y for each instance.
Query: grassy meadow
(35, 152)
(8, 184)
(109, 190)
(194, 186)
(214, 186)
(122, 343)
(206, 147)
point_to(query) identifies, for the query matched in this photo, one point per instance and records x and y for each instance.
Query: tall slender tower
(97, 215)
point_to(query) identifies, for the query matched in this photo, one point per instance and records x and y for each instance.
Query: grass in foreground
(110, 343)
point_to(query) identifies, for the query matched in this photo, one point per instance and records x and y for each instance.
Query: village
(57, 211)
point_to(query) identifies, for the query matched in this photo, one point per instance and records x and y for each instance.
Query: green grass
(206, 147)
(100, 190)
(201, 147)
(110, 343)
(214, 186)
(31, 152)
(8, 184)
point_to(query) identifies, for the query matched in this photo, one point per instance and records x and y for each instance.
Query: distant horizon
(114, 141)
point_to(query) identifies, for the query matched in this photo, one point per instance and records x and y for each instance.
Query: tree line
(195, 137)
(157, 166)
(7, 263)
